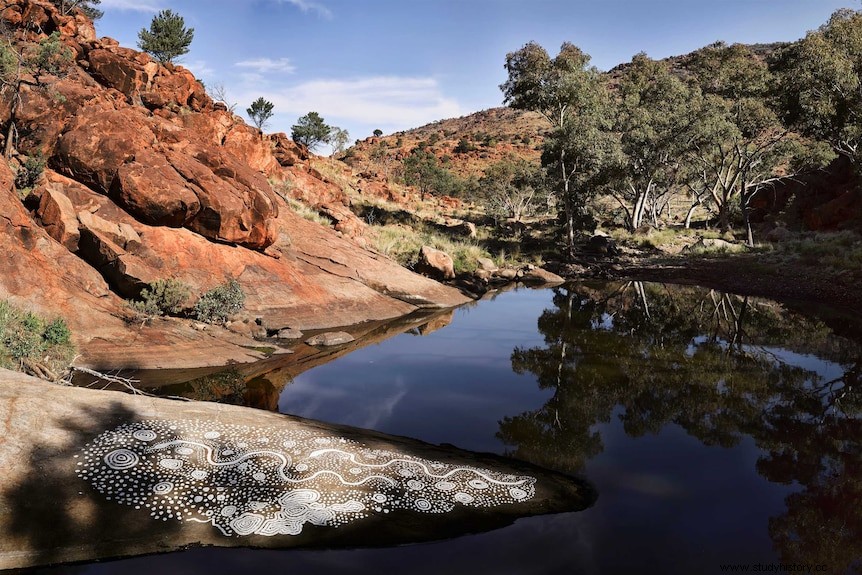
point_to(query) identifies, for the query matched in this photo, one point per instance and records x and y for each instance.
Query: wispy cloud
(268, 65)
(395, 101)
(307, 6)
(200, 69)
(133, 5)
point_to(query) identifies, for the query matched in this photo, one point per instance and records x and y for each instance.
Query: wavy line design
(247, 481)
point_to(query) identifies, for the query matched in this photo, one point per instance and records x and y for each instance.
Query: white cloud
(395, 101)
(307, 6)
(133, 5)
(200, 69)
(268, 65)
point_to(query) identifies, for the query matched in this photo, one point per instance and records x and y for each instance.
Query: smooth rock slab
(95, 474)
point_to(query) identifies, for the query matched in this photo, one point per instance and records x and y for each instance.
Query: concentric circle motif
(120, 459)
(270, 482)
(144, 435)
(163, 488)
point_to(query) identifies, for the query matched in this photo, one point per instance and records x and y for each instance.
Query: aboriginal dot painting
(246, 480)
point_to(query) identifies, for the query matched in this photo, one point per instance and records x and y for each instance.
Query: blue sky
(399, 64)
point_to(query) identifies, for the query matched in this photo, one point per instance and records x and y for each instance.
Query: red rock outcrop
(149, 180)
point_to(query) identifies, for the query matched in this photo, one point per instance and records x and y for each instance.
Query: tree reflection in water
(720, 366)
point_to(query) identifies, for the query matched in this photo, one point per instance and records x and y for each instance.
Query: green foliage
(510, 188)
(219, 303)
(378, 132)
(28, 340)
(260, 112)
(310, 131)
(51, 56)
(821, 83)
(569, 93)
(162, 297)
(338, 138)
(9, 64)
(464, 146)
(653, 112)
(167, 38)
(422, 170)
(30, 172)
(87, 7)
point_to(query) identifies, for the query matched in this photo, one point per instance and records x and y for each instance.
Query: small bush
(162, 297)
(216, 305)
(31, 344)
(30, 172)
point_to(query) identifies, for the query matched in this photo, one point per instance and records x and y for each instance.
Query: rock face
(148, 179)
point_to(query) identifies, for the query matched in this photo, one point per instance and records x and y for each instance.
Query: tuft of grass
(837, 250)
(33, 344)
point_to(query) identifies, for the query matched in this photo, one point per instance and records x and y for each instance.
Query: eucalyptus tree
(821, 80)
(739, 143)
(653, 113)
(570, 94)
(338, 139)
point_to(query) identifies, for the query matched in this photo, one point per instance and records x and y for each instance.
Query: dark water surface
(716, 429)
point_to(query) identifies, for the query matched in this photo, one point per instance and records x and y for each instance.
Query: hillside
(485, 137)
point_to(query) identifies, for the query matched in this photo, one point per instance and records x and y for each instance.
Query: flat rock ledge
(97, 474)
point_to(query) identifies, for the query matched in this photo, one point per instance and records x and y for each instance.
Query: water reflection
(720, 366)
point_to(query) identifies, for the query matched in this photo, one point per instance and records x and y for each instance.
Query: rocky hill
(147, 178)
(466, 145)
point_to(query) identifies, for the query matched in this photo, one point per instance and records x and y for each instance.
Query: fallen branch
(126, 382)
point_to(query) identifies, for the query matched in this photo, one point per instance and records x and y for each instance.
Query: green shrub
(162, 297)
(30, 343)
(30, 172)
(219, 303)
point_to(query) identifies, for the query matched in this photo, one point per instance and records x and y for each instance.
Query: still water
(716, 429)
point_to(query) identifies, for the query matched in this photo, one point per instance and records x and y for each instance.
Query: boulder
(121, 234)
(435, 263)
(99, 141)
(487, 265)
(463, 229)
(57, 216)
(288, 333)
(151, 189)
(123, 69)
(91, 475)
(534, 275)
(329, 339)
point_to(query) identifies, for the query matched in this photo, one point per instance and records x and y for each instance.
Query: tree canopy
(822, 84)
(167, 38)
(310, 130)
(260, 112)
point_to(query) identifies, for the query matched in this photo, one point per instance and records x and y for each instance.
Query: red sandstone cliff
(148, 178)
